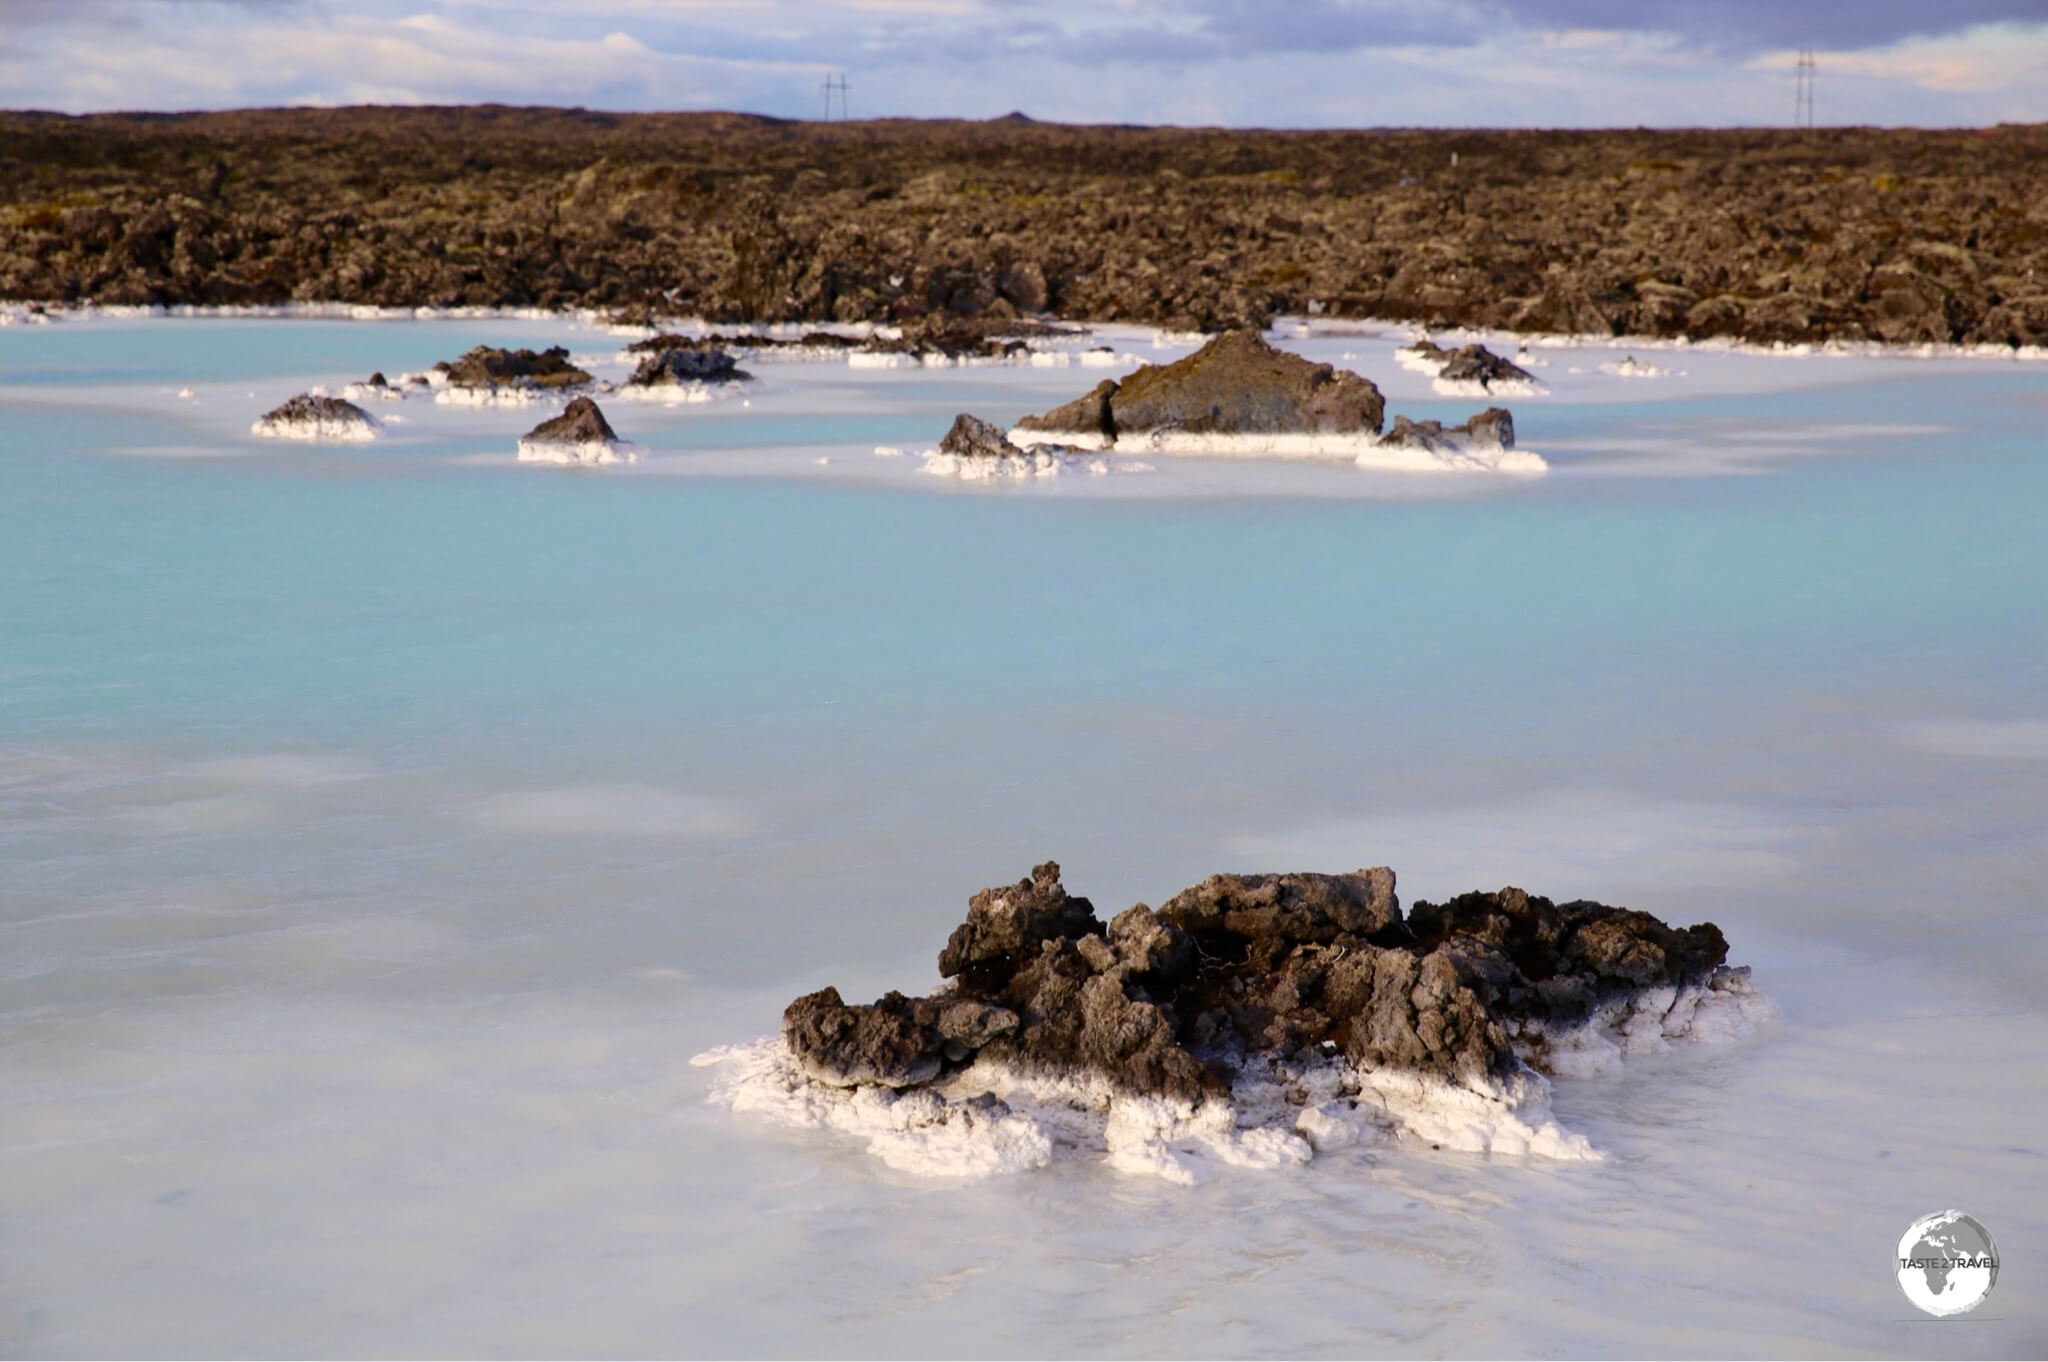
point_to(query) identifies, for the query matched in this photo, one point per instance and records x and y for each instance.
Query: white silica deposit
(500, 395)
(1369, 452)
(1499, 387)
(579, 453)
(375, 392)
(1726, 1007)
(1417, 360)
(1631, 367)
(1044, 461)
(674, 394)
(994, 1118)
(1457, 456)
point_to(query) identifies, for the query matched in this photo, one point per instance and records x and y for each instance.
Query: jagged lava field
(1905, 236)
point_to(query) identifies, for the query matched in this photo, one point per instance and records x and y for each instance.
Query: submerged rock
(1236, 385)
(580, 435)
(488, 367)
(1489, 430)
(311, 417)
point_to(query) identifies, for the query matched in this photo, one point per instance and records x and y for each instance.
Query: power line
(836, 85)
(1802, 99)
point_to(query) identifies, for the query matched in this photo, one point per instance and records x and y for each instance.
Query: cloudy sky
(1282, 63)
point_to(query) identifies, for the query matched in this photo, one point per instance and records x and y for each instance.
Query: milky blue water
(385, 827)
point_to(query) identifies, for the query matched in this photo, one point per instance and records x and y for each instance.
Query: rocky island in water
(1251, 1020)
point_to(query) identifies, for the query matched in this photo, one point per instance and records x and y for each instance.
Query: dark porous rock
(306, 408)
(581, 423)
(1477, 364)
(749, 340)
(1289, 908)
(973, 438)
(487, 366)
(1077, 1015)
(1493, 428)
(1292, 966)
(952, 339)
(1006, 926)
(311, 417)
(894, 1042)
(687, 365)
(1575, 954)
(1237, 384)
(1087, 415)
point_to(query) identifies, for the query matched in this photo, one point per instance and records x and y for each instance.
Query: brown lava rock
(580, 423)
(973, 438)
(687, 365)
(487, 366)
(308, 409)
(1493, 428)
(1237, 384)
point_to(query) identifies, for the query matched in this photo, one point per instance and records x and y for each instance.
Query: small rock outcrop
(959, 340)
(1241, 968)
(975, 450)
(489, 367)
(1471, 368)
(973, 438)
(580, 435)
(312, 417)
(375, 388)
(1237, 384)
(692, 364)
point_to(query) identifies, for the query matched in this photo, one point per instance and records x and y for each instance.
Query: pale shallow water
(386, 826)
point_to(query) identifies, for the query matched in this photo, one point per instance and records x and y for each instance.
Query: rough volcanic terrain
(1768, 235)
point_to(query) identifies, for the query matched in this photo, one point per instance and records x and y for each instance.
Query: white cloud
(1568, 843)
(2022, 739)
(1988, 60)
(639, 811)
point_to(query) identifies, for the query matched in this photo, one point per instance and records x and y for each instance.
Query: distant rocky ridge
(1901, 236)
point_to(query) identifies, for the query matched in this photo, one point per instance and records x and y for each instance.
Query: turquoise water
(386, 826)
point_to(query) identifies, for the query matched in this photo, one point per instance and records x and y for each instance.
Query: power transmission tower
(1802, 106)
(836, 85)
